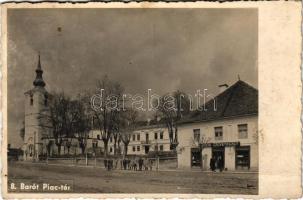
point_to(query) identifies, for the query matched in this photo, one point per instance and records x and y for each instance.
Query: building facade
(37, 117)
(229, 133)
(233, 140)
(149, 139)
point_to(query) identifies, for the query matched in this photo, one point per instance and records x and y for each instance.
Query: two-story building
(228, 132)
(149, 139)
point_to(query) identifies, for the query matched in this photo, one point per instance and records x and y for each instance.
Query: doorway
(218, 155)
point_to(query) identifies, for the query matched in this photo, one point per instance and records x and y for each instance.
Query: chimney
(223, 87)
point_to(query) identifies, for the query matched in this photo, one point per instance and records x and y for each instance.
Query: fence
(155, 164)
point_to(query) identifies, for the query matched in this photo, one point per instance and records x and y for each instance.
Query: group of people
(135, 163)
(216, 163)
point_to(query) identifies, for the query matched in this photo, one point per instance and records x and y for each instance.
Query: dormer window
(31, 99)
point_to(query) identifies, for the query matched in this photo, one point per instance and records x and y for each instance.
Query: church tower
(37, 117)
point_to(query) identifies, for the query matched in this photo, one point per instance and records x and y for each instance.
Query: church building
(37, 117)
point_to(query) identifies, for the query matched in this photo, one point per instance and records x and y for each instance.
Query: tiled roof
(240, 99)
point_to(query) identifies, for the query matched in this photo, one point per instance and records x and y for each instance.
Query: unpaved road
(98, 180)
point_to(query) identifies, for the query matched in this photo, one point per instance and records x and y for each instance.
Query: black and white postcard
(151, 100)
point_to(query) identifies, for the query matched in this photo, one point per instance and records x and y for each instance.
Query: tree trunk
(115, 147)
(105, 147)
(119, 148)
(125, 149)
(83, 149)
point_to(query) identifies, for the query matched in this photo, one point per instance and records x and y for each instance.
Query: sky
(159, 49)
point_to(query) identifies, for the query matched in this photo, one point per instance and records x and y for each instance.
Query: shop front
(226, 156)
(242, 157)
(195, 157)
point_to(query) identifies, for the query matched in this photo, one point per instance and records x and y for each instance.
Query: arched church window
(45, 99)
(31, 99)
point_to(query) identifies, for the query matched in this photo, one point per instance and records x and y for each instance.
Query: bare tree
(173, 108)
(58, 108)
(82, 122)
(128, 125)
(106, 107)
(69, 120)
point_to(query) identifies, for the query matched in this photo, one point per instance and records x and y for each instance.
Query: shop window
(197, 135)
(161, 147)
(242, 131)
(161, 135)
(156, 135)
(243, 157)
(138, 137)
(195, 157)
(134, 137)
(138, 148)
(134, 148)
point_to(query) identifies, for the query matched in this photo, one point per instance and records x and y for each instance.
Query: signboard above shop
(221, 144)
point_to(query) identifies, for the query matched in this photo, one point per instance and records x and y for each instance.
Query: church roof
(39, 79)
(38, 82)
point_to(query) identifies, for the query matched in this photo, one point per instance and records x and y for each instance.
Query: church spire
(39, 80)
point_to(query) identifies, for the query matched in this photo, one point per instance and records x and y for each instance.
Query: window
(156, 135)
(146, 137)
(110, 139)
(95, 144)
(138, 148)
(219, 133)
(161, 135)
(134, 148)
(31, 100)
(161, 147)
(138, 137)
(98, 137)
(156, 147)
(134, 137)
(197, 135)
(110, 149)
(242, 131)
(243, 157)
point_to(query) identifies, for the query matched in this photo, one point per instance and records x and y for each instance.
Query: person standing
(212, 164)
(220, 164)
(140, 162)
